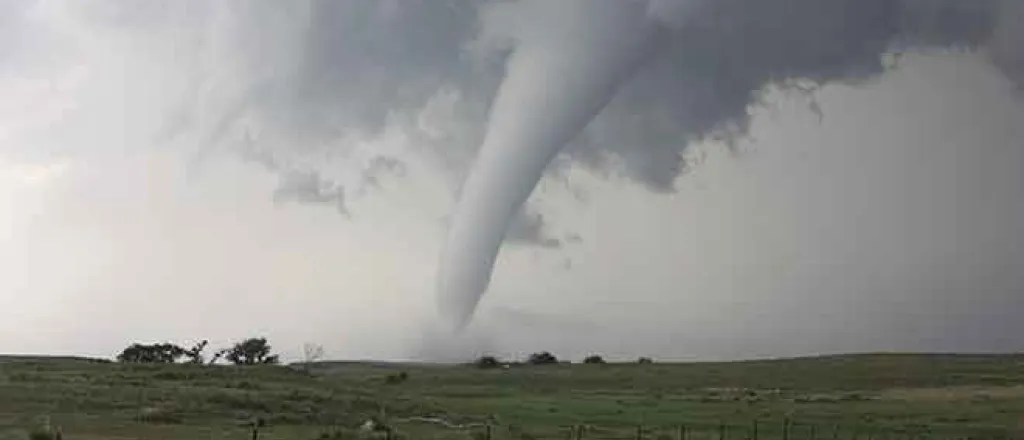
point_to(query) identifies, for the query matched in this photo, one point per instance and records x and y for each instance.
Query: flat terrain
(862, 396)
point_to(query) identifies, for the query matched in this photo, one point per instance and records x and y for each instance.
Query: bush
(397, 378)
(337, 434)
(157, 415)
(43, 433)
(542, 358)
(593, 359)
(645, 361)
(487, 362)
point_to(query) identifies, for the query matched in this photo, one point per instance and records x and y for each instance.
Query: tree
(165, 353)
(217, 355)
(645, 361)
(542, 358)
(593, 359)
(487, 362)
(252, 351)
(311, 353)
(195, 354)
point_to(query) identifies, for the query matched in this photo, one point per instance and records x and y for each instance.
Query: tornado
(570, 57)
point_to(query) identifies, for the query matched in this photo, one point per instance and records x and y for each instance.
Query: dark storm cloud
(314, 77)
(357, 66)
(313, 73)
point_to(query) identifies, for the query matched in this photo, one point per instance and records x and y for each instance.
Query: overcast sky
(886, 215)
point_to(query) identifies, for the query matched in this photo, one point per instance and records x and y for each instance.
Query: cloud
(317, 78)
(403, 64)
(528, 228)
(310, 187)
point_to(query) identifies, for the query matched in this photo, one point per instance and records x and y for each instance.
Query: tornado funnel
(563, 71)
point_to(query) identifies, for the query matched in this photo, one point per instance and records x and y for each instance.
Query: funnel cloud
(570, 59)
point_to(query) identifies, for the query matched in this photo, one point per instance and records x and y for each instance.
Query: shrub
(542, 358)
(487, 362)
(645, 361)
(43, 433)
(397, 378)
(337, 434)
(159, 415)
(593, 359)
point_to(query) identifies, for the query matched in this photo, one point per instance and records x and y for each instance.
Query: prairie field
(884, 396)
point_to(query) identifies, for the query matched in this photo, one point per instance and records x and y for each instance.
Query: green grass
(876, 396)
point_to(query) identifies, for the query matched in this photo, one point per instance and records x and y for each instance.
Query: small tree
(487, 362)
(645, 361)
(217, 355)
(311, 353)
(542, 358)
(593, 359)
(252, 351)
(195, 354)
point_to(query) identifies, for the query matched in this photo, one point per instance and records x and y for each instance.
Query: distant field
(863, 396)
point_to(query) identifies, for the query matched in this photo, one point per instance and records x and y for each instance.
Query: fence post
(814, 431)
(682, 432)
(579, 432)
(785, 428)
(487, 432)
(753, 433)
(257, 423)
(835, 432)
(639, 432)
(721, 431)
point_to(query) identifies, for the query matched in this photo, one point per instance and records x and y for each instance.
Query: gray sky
(158, 182)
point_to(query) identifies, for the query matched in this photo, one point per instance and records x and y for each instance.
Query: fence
(785, 429)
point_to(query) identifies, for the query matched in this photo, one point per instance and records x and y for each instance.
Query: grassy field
(864, 396)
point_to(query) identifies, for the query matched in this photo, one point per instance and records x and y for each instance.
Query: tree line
(257, 351)
(252, 351)
(545, 358)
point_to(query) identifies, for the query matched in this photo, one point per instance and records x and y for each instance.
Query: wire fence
(786, 429)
